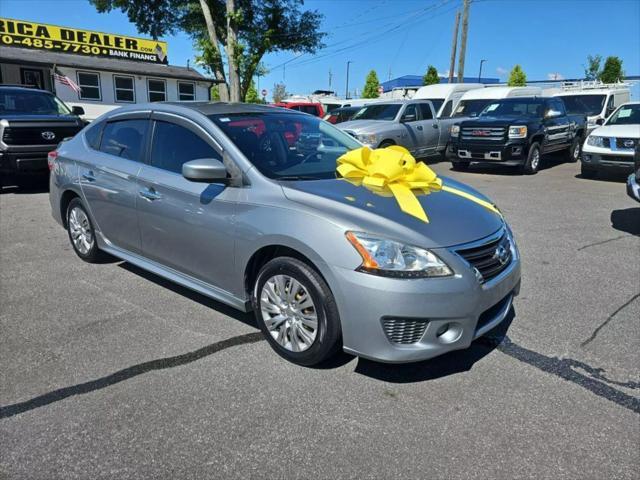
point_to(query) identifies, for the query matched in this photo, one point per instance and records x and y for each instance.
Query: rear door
(108, 178)
(186, 226)
(556, 126)
(412, 129)
(430, 128)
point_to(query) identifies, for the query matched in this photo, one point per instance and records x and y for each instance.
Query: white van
(596, 100)
(445, 96)
(474, 101)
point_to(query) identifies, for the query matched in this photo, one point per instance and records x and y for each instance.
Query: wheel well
(537, 139)
(65, 200)
(264, 255)
(387, 140)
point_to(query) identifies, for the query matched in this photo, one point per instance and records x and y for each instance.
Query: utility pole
(454, 47)
(330, 75)
(389, 77)
(463, 40)
(346, 93)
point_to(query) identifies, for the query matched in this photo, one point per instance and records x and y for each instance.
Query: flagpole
(53, 80)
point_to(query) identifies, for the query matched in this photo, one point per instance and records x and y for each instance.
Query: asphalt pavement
(107, 371)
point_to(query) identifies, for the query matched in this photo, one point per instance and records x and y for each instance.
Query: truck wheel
(588, 172)
(573, 154)
(532, 164)
(460, 166)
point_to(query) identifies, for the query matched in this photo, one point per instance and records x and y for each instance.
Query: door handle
(150, 194)
(89, 176)
(419, 127)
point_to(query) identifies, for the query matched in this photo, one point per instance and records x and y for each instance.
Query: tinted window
(157, 90)
(124, 89)
(92, 135)
(437, 103)
(626, 115)
(186, 91)
(425, 110)
(410, 111)
(584, 104)
(89, 84)
(515, 106)
(470, 108)
(378, 112)
(21, 102)
(124, 138)
(558, 106)
(446, 111)
(174, 145)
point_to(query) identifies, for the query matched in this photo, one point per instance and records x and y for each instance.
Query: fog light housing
(586, 157)
(516, 151)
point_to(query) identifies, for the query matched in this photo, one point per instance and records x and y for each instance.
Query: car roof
(18, 88)
(220, 108)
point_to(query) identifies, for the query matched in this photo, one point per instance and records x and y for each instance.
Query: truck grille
(489, 259)
(37, 135)
(404, 330)
(483, 133)
(626, 143)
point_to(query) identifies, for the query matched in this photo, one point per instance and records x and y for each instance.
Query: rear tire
(81, 233)
(573, 153)
(296, 311)
(588, 172)
(532, 164)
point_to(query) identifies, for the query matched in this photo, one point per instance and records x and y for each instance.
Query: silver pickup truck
(410, 123)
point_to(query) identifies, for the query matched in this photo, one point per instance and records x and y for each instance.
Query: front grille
(489, 259)
(630, 143)
(481, 133)
(34, 135)
(617, 158)
(404, 330)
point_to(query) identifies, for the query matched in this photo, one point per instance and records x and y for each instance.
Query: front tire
(573, 153)
(532, 164)
(296, 311)
(81, 232)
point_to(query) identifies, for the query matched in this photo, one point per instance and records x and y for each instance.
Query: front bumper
(23, 162)
(633, 188)
(512, 153)
(460, 304)
(596, 158)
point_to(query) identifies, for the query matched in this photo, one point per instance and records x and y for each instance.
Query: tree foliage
(279, 92)
(592, 68)
(371, 85)
(431, 77)
(231, 35)
(517, 77)
(252, 95)
(612, 71)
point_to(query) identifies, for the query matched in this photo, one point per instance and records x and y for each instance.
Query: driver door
(412, 128)
(184, 225)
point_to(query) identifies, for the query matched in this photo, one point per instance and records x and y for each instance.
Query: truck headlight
(518, 131)
(388, 258)
(368, 138)
(455, 130)
(595, 141)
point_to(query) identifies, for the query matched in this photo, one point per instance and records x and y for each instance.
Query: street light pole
(480, 72)
(346, 93)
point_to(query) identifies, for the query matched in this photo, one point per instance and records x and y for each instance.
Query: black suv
(32, 123)
(517, 131)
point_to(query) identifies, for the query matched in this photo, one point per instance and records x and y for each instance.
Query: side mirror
(408, 118)
(205, 170)
(600, 121)
(551, 113)
(76, 110)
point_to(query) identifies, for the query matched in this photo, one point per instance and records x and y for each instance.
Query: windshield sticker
(624, 113)
(492, 107)
(225, 119)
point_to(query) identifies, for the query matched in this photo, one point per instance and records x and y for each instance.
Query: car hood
(365, 126)
(626, 131)
(40, 118)
(453, 220)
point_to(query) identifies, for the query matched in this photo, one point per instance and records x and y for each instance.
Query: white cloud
(501, 71)
(555, 76)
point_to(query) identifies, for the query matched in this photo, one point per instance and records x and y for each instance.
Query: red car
(305, 107)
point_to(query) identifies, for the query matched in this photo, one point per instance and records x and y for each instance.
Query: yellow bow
(393, 171)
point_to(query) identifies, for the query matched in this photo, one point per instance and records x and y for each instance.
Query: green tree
(612, 71)
(252, 94)
(517, 77)
(231, 35)
(279, 92)
(431, 77)
(592, 69)
(215, 93)
(371, 85)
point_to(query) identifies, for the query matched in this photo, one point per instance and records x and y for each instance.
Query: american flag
(62, 78)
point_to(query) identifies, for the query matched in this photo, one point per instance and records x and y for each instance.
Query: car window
(425, 110)
(409, 111)
(92, 135)
(626, 115)
(378, 112)
(19, 102)
(446, 111)
(124, 138)
(174, 145)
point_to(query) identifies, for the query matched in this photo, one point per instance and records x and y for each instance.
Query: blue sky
(546, 37)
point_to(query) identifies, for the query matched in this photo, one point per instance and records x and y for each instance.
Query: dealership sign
(40, 36)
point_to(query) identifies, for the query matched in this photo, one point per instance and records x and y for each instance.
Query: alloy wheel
(80, 229)
(289, 313)
(535, 160)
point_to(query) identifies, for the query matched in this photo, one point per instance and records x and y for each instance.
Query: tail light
(51, 159)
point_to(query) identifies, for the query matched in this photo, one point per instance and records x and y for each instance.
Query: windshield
(287, 146)
(626, 115)
(387, 111)
(471, 108)
(584, 104)
(519, 107)
(31, 103)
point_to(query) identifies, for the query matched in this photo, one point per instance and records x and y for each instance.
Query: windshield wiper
(297, 177)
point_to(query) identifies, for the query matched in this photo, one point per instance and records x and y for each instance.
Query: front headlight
(455, 130)
(518, 131)
(595, 141)
(393, 259)
(368, 138)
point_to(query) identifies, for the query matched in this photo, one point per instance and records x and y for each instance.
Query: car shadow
(627, 220)
(614, 176)
(457, 361)
(546, 163)
(25, 185)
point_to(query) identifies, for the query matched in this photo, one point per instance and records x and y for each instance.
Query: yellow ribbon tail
(473, 198)
(408, 201)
